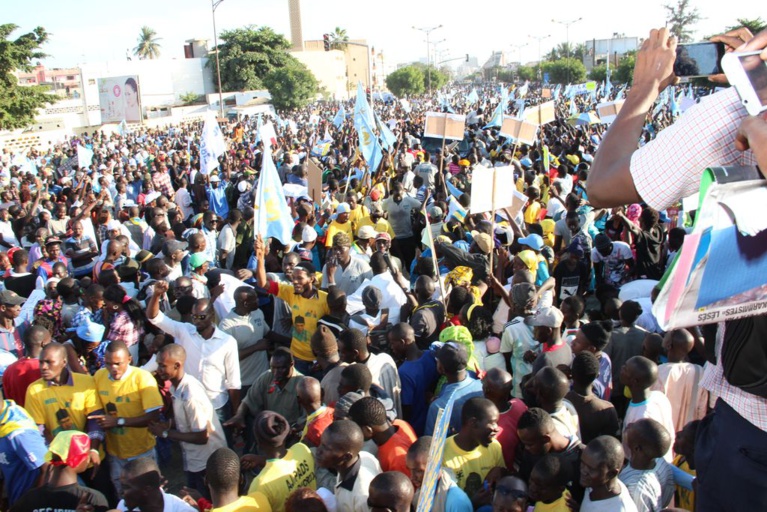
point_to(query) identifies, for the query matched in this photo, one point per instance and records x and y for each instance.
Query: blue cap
(91, 332)
(533, 241)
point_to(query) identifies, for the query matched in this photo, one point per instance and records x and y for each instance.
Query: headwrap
(530, 259)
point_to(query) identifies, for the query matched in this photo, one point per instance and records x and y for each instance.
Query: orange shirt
(316, 424)
(392, 453)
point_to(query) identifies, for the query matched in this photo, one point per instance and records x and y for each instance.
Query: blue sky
(98, 30)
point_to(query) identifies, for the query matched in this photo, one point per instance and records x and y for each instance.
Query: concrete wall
(329, 68)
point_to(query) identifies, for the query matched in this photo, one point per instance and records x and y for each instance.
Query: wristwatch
(164, 434)
(120, 422)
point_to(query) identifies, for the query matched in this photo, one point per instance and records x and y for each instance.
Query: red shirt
(316, 425)
(17, 378)
(507, 431)
(392, 453)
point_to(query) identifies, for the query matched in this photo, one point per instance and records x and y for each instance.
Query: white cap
(113, 224)
(242, 186)
(215, 178)
(308, 234)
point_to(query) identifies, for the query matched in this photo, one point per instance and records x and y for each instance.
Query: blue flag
(338, 121)
(557, 92)
(473, 97)
(272, 215)
(362, 111)
(573, 109)
(497, 119)
(387, 137)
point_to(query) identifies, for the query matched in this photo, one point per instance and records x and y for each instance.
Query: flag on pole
(273, 219)
(387, 137)
(362, 111)
(84, 157)
(621, 93)
(557, 91)
(212, 145)
(522, 91)
(338, 121)
(573, 109)
(497, 119)
(473, 97)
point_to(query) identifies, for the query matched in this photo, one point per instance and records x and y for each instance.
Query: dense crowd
(141, 312)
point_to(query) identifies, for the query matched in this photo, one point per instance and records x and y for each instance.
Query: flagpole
(442, 157)
(434, 256)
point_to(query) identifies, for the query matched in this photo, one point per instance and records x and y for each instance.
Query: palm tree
(338, 39)
(148, 46)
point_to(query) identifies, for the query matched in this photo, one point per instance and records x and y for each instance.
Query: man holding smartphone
(715, 132)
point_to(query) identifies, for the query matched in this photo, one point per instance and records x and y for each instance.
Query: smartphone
(747, 72)
(698, 59)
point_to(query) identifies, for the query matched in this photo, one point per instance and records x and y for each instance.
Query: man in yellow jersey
(286, 469)
(131, 400)
(62, 400)
(224, 479)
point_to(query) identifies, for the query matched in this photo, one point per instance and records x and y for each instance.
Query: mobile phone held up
(747, 72)
(698, 59)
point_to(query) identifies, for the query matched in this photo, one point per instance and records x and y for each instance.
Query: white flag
(212, 145)
(84, 157)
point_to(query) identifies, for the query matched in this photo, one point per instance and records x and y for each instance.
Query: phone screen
(698, 59)
(756, 71)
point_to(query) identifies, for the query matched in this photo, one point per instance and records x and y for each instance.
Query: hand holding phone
(698, 59)
(747, 72)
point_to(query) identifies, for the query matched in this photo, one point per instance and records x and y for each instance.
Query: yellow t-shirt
(310, 310)
(532, 211)
(133, 395)
(471, 468)
(255, 502)
(280, 477)
(65, 407)
(685, 499)
(382, 226)
(356, 215)
(336, 227)
(559, 505)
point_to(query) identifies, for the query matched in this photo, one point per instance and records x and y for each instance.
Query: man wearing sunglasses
(510, 495)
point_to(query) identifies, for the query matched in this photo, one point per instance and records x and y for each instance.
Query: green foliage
(190, 98)
(527, 73)
(406, 81)
(19, 104)
(247, 55)
(565, 71)
(563, 50)
(291, 86)
(338, 39)
(432, 75)
(754, 25)
(624, 72)
(681, 18)
(148, 46)
(598, 73)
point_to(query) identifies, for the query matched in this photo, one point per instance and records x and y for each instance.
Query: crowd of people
(141, 314)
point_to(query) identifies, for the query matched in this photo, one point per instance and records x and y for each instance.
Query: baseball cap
(197, 259)
(129, 203)
(602, 241)
(113, 225)
(366, 232)
(383, 236)
(143, 256)
(152, 196)
(52, 240)
(533, 241)
(372, 297)
(484, 242)
(452, 356)
(215, 179)
(11, 298)
(243, 186)
(71, 447)
(547, 317)
(375, 194)
(171, 246)
(343, 208)
(435, 211)
(90, 332)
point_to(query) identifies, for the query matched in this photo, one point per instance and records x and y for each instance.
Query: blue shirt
(417, 377)
(460, 392)
(217, 199)
(22, 452)
(457, 501)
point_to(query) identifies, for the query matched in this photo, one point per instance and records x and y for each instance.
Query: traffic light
(467, 57)
(326, 41)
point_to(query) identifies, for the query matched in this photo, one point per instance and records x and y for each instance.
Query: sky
(88, 31)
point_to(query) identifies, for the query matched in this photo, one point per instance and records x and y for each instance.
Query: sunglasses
(200, 317)
(514, 493)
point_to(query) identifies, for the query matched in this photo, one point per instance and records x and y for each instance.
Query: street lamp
(215, 4)
(539, 39)
(567, 32)
(518, 47)
(428, 31)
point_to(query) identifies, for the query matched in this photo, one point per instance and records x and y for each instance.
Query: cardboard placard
(541, 114)
(609, 111)
(546, 93)
(492, 188)
(449, 126)
(522, 131)
(315, 181)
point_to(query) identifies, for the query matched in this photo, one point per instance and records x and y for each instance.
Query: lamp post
(428, 31)
(567, 35)
(215, 4)
(539, 39)
(518, 47)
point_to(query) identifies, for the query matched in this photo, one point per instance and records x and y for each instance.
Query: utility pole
(215, 4)
(540, 67)
(567, 32)
(428, 32)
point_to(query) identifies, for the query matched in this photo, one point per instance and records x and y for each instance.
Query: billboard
(119, 99)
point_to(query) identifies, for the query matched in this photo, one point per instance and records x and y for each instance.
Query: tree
(598, 73)
(247, 55)
(148, 46)
(406, 81)
(291, 86)
(432, 75)
(624, 72)
(338, 39)
(564, 71)
(681, 17)
(527, 73)
(563, 50)
(754, 25)
(19, 104)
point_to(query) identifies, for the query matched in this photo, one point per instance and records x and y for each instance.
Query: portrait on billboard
(119, 99)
